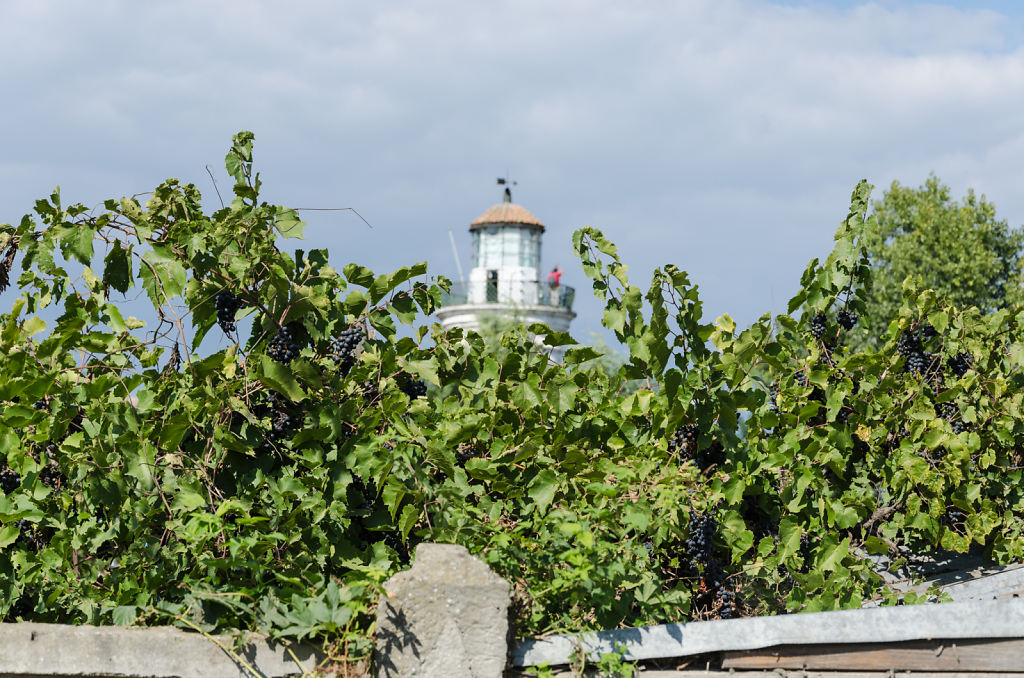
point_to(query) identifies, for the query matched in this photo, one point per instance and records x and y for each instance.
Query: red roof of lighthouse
(506, 213)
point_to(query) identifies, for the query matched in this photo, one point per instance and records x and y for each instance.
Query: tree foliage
(960, 249)
(273, 484)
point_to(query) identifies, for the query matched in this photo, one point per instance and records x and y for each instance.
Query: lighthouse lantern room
(506, 279)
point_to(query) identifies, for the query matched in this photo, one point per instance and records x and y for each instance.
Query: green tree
(960, 249)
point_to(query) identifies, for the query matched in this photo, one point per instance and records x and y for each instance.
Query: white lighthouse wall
(471, 316)
(516, 285)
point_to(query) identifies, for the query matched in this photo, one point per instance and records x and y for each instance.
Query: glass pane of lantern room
(510, 247)
(490, 247)
(530, 256)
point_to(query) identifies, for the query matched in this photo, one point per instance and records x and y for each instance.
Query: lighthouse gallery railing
(488, 292)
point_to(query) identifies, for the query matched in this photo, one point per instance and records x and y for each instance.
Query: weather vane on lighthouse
(507, 183)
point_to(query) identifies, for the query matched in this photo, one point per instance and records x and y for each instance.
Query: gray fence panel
(977, 619)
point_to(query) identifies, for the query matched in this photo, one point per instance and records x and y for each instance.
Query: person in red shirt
(555, 277)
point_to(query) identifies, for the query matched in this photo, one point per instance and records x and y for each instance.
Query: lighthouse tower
(506, 280)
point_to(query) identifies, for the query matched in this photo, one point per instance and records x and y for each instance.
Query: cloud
(724, 136)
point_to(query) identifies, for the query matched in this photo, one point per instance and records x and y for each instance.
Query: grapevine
(757, 467)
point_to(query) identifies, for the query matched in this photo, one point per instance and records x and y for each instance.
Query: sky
(723, 136)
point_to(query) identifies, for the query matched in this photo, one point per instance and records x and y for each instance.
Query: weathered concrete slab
(445, 617)
(977, 619)
(57, 650)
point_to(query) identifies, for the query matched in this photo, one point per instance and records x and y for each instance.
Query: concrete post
(447, 617)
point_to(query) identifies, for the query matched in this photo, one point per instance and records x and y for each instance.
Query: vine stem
(234, 655)
(295, 659)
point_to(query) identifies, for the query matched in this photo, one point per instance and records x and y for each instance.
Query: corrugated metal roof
(974, 619)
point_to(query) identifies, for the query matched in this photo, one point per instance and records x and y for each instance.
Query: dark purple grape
(227, 305)
(960, 363)
(9, 479)
(284, 347)
(345, 346)
(414, 388)
(5, 265)
(846, 319)
(818, 325)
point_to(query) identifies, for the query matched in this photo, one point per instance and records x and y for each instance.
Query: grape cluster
(414, 388)
(825, 359)
(344, 348)
(227, 304)
(714, 455)
(684, 440)
(818, 325)
(395, 543)
(700, 544)
(51, 475)
(947, 410)
(464, 452)
(954, 519)
(5, 265)
(703, 563)
(371, 390)
(283, 422)
(958, 426)
(367, 509)
(174, 361)
(895, 439)
(284, 347)
(367, 493)
(32, 536)
(910, 345)
(773, 398)
(960, 363)
(21, 609)
(806, 552)
(75, 425)
(846, 319)
(951, 413)
(725, 599)
(9, 479)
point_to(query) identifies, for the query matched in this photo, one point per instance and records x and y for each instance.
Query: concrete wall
(28, 650)
(447, 617)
